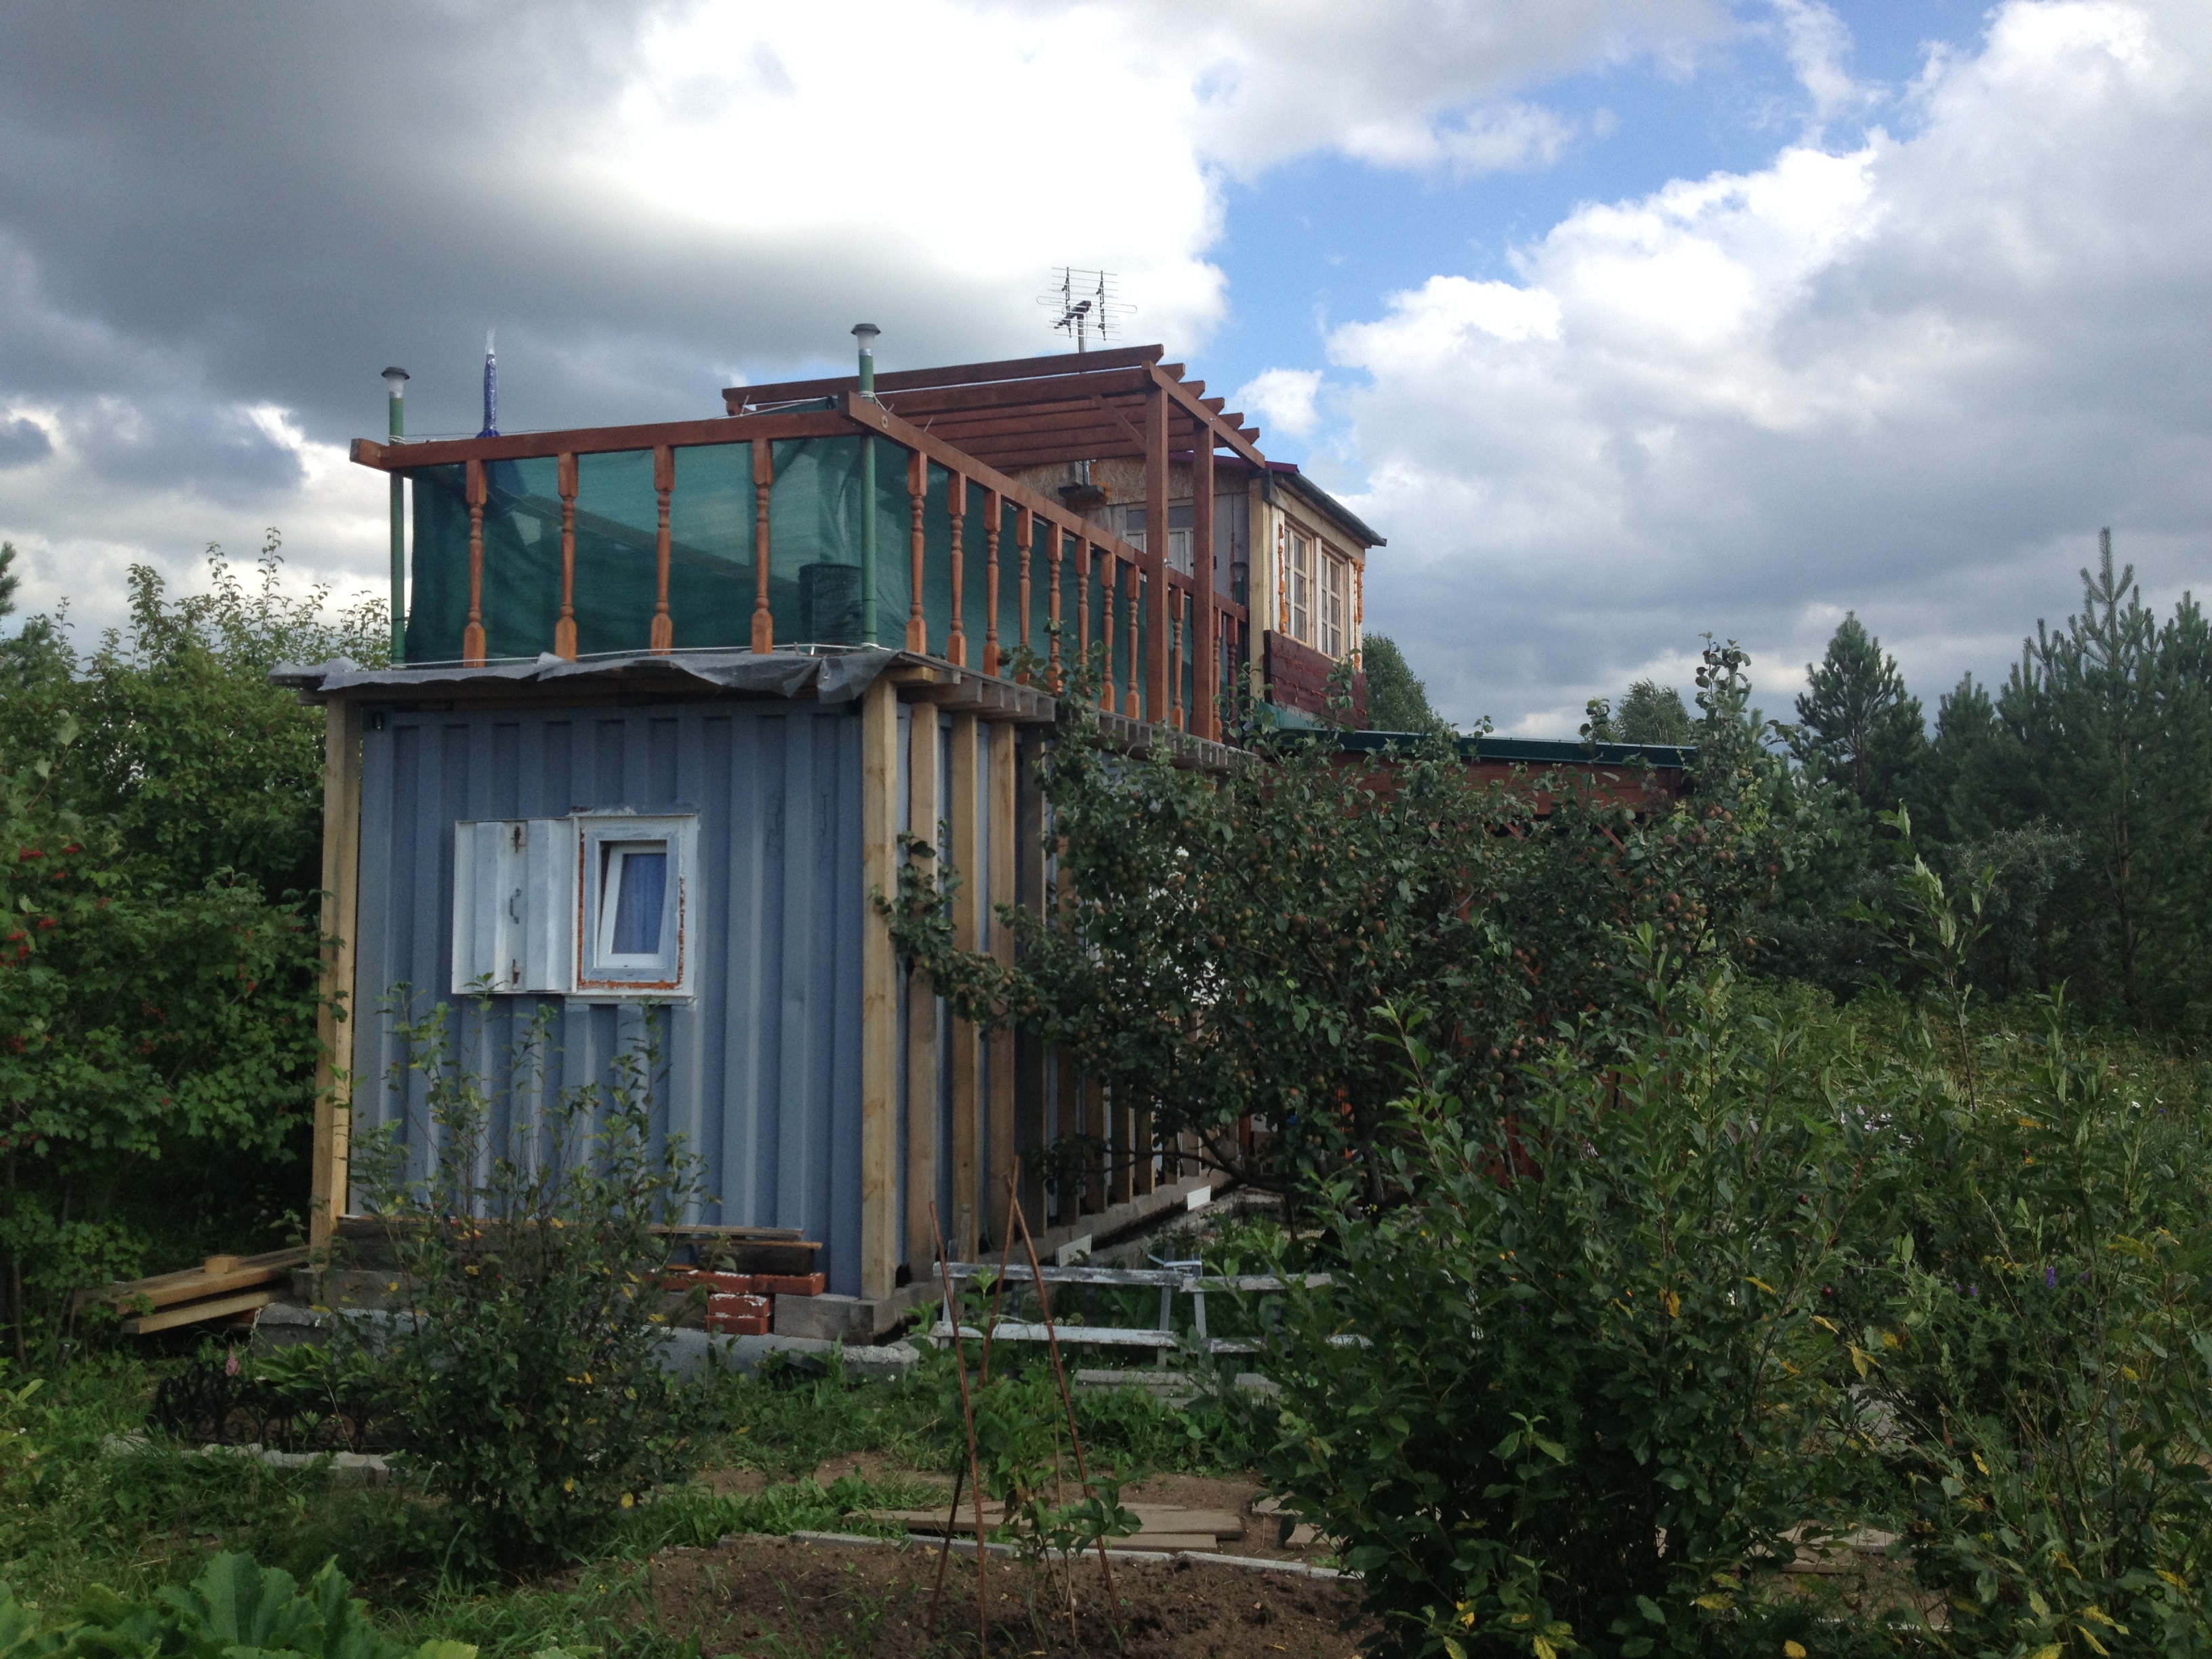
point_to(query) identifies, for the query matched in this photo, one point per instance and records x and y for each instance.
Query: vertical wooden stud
(917, 489)
(1124, 1183)
(334, 1026)
(924, 818)
(1206, 647)
(1140, 1137)
(663, 486)
(956, 501)
(1175, 608)
(1094, 1130)
(1109, 584)
(1155, 706)
(1052, 603)
(1000, 889)
(966, 855)
(1138, 685)
(1023, 519)
(564, 630)
(472, 636)
(763, 483)
(879, 990)
(994, 509)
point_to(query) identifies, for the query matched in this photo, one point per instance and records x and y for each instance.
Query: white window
(595, 906)
(1333, 607)
(1302, 586)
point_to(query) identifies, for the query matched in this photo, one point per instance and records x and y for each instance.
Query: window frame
(600, 973)
(1302, 586)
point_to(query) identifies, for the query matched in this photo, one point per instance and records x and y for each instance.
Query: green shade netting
(814, 518)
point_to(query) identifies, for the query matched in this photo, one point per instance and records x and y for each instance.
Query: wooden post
(564, 631)
(1109, 586)
(1081, 597)
(1140, 1141)
(965, 853)
(917, 489)
(924, 818)
(334, 1026)
(994, 509)
(1001, 888)
(1124, 1186)
(879, 989)
(663, 486)
(1155, 707)
(1206, 647)
(1175, 608)
(1052, 605)
(1023, 519)
(472, 636)
(956, 499)
(1095, 1195)
(763, 481)
(1142, 662)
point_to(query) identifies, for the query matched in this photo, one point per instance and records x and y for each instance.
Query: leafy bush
(526, 1371)
(232, 1608)
(1561, 1388)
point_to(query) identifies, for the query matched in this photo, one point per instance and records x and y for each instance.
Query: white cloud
(1912, 379)
(1283, 398)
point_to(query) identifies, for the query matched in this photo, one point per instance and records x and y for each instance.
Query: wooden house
(670, 695)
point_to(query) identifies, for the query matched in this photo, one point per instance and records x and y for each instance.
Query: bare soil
(786, 1598)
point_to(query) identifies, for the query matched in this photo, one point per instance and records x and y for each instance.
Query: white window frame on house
(1302, 586)
(1333, 606)
(536, 902)
(610, 847)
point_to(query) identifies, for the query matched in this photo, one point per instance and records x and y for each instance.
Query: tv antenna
(1087, 304)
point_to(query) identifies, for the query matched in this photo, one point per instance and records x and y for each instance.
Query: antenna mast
(1087, 304)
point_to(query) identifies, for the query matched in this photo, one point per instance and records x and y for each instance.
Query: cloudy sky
(1625, 320)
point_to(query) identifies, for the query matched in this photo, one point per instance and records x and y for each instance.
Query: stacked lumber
(220, 1287)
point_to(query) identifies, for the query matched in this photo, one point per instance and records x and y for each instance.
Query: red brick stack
(740, 1305)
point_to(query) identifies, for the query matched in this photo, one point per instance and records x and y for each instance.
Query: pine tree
(1396, 699)
(1857, 725)
(1652, 714)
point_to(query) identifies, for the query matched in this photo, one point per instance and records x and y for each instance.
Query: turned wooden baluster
(564, 630)
(1082, 596)
(956, 501)
(1175, 655)
(917, 489)
(993, 510)
(1133, 700)
(764, 481)
(1052, 600)
(1109, 582)
(663, 485)
(472, 636)
(1023, 522)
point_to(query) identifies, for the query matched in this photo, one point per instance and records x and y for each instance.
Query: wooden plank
(197, 1284)
(1108, 1336)
(1206, 646)
(879, 989)
(1059, 365)
(1140, 1139)
(925, 818)
(1243, 440)
(1007, 849)
(1156, 554)
(599, 439)
(334, 1025)
(966, 855)
(191, 1313)
(1095, 1191)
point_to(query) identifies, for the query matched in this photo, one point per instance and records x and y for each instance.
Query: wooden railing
(1166, 642)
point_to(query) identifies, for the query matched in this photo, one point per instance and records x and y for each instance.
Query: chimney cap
(866, 332)
(395, 378)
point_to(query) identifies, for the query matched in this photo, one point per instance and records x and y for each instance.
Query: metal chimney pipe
(395, 380)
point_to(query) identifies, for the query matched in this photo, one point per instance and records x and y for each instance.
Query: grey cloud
(23, 441)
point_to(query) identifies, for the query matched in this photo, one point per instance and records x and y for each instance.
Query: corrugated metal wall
(762, 1070)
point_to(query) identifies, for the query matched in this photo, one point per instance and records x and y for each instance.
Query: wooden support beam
(763, 483)
(1124, 1158)
(879, 990)
(956, 506)
(1140, 1136)
(965, 853)
(564, 630)
(1059, 365)
(331, 1148)
(1206, 647)
(599, 439)
(1155, 553)
(1095, 1192)
(1008, 848)
(663, 486)
(1243, 441)
(925, 816)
